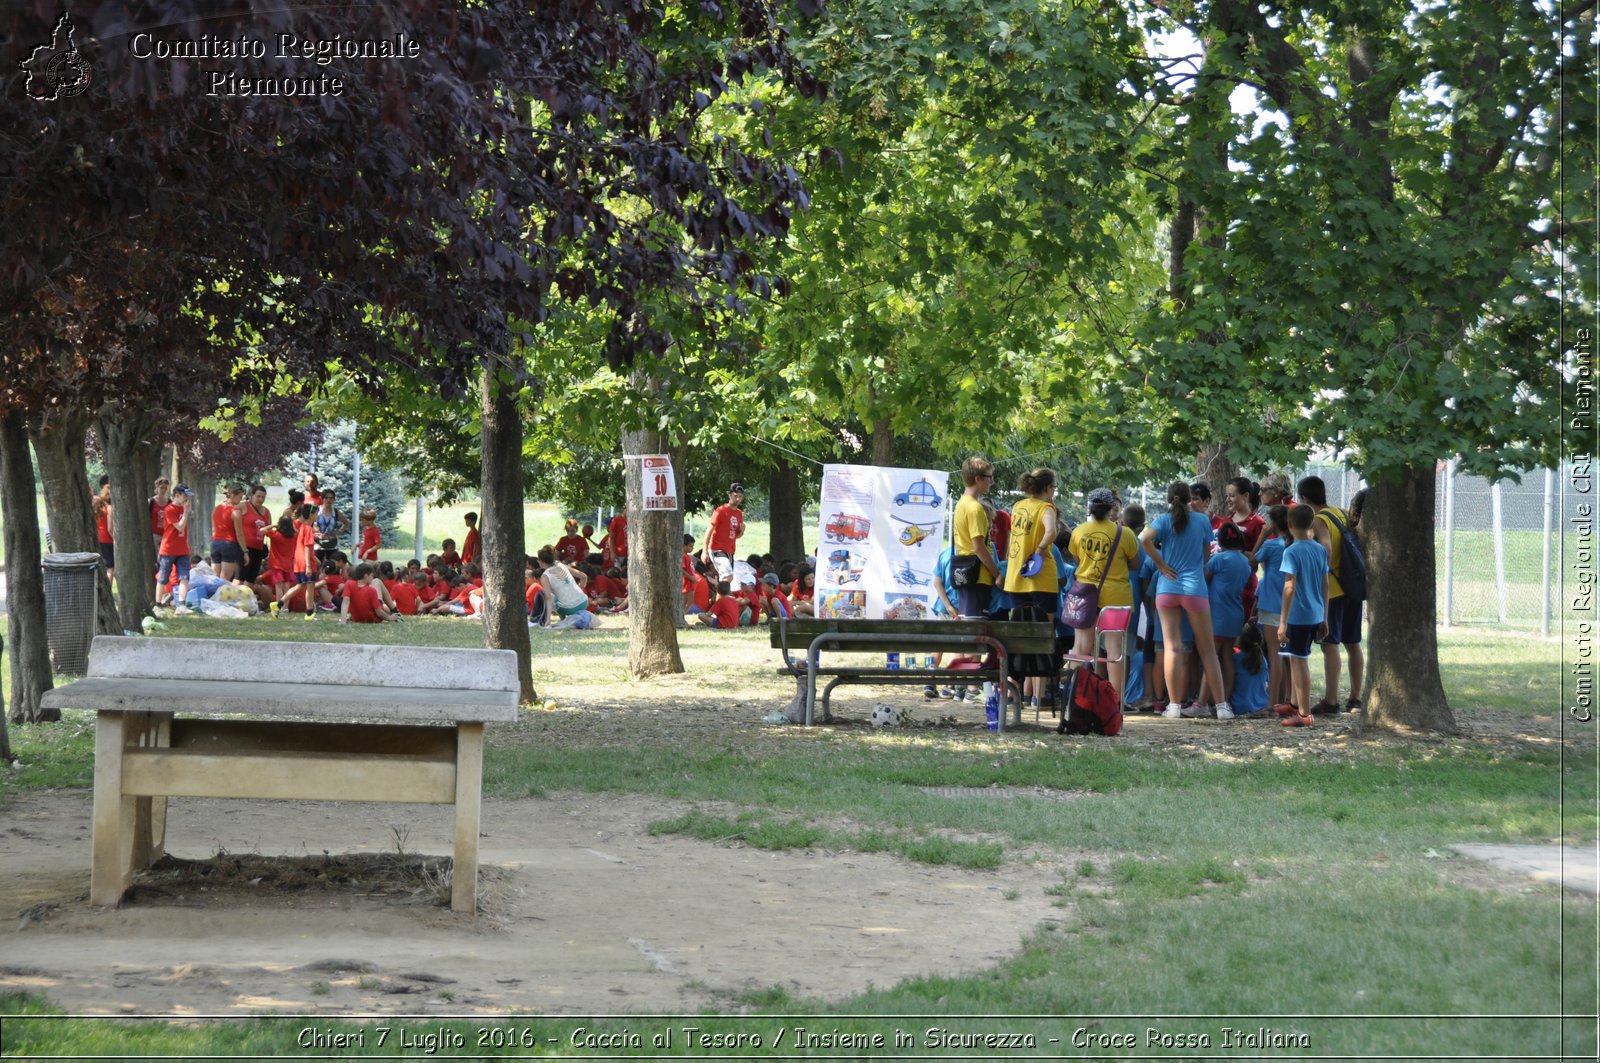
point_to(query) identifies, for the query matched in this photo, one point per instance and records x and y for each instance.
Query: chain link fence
(1498, 546)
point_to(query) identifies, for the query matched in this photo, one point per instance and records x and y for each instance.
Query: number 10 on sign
(660, 486)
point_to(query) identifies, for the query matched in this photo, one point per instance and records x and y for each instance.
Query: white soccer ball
(885, 716)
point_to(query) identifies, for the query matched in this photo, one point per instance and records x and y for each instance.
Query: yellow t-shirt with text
(1091, 545)
(1026, 517)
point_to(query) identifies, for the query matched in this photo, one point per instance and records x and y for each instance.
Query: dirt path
(585, 913)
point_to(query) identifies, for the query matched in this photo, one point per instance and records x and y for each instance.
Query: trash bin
(71, 585)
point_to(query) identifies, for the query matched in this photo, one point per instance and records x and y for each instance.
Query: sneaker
(1352, 705)
(950, 693)
(1191, 711)
(1297, 720)
(1325, 708)
(1225, 711)
(973, 695)
(1283, 708)
(1173, 711)
(930, 691)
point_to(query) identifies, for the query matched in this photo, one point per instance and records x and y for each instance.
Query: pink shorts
(1193, 604)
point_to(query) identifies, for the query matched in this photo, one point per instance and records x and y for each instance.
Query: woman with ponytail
(1178, 542)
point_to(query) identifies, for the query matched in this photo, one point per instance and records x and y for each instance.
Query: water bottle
(991, 706)
(893, 663)
(927, 662)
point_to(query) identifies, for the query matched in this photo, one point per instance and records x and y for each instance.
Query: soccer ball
(885, 716)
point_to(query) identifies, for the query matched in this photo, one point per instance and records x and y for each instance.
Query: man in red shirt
(448, 555)
(313, 491)
(472, 546)
(722, 538)
(174, 556)
(361, 602)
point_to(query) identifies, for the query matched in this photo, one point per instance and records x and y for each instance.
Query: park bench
(313, 721)
(1006, 638)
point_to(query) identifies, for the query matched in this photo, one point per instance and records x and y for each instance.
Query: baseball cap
(736, 487)
(770, 578)
(1101, 496)
(182, 489)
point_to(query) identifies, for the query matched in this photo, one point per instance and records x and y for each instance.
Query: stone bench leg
(469, 795)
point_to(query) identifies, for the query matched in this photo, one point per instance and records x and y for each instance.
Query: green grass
(1302, 888)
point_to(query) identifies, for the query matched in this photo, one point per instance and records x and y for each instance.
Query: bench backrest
(331, 664)
(1018, 636)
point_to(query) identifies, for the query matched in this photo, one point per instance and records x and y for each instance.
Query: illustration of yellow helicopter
(914, 533)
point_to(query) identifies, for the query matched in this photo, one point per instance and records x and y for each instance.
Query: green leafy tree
(1372, 268)
(381, 490)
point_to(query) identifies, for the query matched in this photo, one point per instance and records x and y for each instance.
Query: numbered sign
(660, 486)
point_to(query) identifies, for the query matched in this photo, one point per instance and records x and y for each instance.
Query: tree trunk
(786, 526)
(30, 651)
(122, 433)
(59, 446)
(1214, 468)
(883, 441)
(1404, 690)
(504, 561)
(655, 564)
(204, 486)
(5, 733)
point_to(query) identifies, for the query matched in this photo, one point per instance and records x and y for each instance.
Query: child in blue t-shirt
(1305, 608)
(1250, 673)
(1227, 572)
(1269, 598)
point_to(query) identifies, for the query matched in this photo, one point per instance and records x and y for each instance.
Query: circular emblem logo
(67, 74)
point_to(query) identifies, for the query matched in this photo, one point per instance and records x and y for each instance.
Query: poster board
(881, 530)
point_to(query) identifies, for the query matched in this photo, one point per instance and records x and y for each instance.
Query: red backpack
(1092, 705)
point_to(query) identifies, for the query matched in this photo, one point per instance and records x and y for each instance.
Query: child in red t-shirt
(472, 546)
(371, 537)
(361, 602)
(448, 555)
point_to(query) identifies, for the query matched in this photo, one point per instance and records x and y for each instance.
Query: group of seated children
(769, 591)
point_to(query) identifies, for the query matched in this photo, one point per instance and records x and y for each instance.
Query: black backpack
(1352, 572)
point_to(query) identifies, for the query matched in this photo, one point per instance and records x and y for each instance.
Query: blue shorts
(973, 600)
(1301, 636)
(169, 562)
(302, 577)
(1344, 622)
(227, 551)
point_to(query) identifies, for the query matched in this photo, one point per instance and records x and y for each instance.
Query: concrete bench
(318, 721)
(1006, 638)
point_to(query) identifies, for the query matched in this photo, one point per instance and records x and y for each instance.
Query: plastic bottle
(991, 706)
(893, 663)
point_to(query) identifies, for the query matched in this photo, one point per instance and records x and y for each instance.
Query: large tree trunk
(30, 650)
(204, 486)
(786, 526)
(1214, 468)
(505, 609)
(655, 565)
(59, 446)
(122, 433)
(883, 441)
(1404, 690)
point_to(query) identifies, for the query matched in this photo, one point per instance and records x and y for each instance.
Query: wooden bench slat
(284, 775)
(282, 736)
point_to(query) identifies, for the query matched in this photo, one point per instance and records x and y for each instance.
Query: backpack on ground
(1352, 572)
(1093, 706)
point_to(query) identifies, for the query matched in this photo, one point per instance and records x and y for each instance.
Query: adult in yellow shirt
(1033, 532)
(971, 533)
(1091, 546)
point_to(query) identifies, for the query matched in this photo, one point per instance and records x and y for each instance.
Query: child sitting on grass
(361, 602)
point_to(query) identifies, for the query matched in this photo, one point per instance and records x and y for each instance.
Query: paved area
(1559, 865)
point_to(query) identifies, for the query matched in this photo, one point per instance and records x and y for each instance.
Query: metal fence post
(1499, 550)
(1449, 539)
(417, 550)
(1544, 568)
